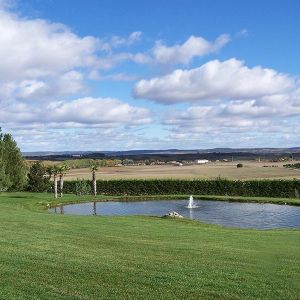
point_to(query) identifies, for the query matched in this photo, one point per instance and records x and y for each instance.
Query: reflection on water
(243, 215)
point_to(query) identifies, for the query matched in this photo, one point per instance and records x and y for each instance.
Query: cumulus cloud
(44, 60)
(95, 111)
(238, 122)
(184, 53)
(84, 112)
(44, 65)
(230, 79)
(35, 48)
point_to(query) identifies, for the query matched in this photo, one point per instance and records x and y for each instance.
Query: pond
(231, 214)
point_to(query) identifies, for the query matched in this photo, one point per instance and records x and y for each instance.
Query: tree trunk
(61, 182)
(55, 186)
(94, 209)
(94, 183)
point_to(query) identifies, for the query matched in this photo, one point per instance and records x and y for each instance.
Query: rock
(173, 214)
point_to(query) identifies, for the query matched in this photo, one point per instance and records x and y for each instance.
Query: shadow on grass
(18, 197)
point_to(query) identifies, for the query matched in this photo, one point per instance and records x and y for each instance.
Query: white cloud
(35, 48)
(238, 123)
(98, 111)
(32, 48)
(242, 33)
(83, 112)
(43, 89)
(111, 61)
(94, 139)
(118, 77)
(228, 79)
(117, 41)
(41, 60)
(42, 65)
(232, 131)
(31, 88)
(44, 60)
(184, 53)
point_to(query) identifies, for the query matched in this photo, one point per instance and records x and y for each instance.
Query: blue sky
(115, 75)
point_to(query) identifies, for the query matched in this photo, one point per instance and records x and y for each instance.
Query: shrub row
(250, 188)
(292, 166)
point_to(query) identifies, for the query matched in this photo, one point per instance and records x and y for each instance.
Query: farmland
(250, 170)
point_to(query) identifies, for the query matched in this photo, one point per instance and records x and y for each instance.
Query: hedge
(222, 187)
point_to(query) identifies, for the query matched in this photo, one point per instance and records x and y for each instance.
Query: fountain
(191, 203)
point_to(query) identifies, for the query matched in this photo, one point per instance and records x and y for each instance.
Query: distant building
(202, 161)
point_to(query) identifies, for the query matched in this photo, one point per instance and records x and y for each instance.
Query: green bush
(82, 187)
(251, 188)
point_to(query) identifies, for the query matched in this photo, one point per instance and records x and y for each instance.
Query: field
(251, 170)
(47, 256)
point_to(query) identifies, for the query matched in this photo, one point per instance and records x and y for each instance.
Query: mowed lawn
(48, 256)
(251, 170)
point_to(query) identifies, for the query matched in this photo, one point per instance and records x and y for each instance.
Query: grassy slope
(47, 256)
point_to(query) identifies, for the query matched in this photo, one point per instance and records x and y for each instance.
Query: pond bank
(72, 199)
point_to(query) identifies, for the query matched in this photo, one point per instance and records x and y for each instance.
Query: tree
(13, 169)
(62, 172)
(94, 168)
(37, 179)
(49, 171)
(3, 176)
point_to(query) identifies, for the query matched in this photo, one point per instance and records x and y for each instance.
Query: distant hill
(167, 151)
(170, 154)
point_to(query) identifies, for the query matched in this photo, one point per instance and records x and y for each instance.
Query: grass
(48, 256)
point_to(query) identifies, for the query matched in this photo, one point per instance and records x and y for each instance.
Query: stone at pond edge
(172, 214)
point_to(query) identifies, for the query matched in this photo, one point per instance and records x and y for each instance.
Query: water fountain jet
(191, 203)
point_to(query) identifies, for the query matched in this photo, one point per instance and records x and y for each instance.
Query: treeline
(219, 186)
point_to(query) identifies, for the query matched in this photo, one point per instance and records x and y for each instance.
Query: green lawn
(48, 256)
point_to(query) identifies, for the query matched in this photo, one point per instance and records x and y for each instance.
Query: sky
(120, 75)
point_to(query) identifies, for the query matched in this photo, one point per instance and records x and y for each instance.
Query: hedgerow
(222, 187)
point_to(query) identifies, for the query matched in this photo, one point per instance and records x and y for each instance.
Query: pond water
(232, 214)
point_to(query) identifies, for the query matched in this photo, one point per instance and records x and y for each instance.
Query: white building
(202, 161)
